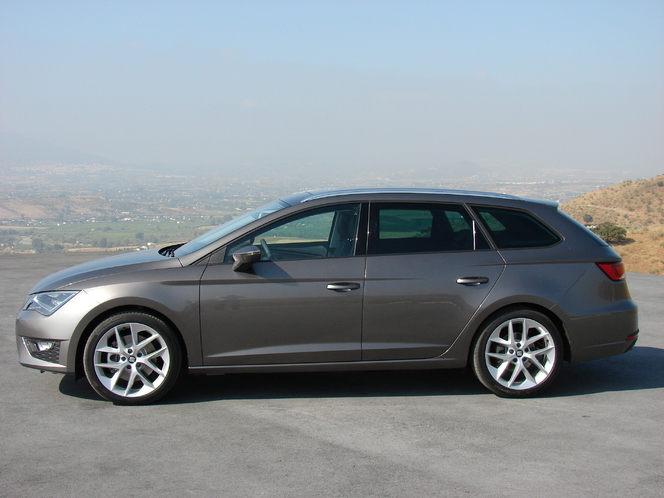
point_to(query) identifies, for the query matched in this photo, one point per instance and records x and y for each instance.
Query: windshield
(228, 227)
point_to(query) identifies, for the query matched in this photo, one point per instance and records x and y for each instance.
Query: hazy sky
(361, 84)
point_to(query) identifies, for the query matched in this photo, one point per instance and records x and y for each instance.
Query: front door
(302, 303)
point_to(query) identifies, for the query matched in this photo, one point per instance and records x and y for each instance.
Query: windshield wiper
(169, 251)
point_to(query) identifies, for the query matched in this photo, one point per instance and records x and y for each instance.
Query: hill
(637, 206)
(631, 204)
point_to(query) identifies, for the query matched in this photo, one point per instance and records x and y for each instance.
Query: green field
(51, 236)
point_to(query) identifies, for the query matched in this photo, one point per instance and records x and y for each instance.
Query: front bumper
(64, 328)
(52, 364)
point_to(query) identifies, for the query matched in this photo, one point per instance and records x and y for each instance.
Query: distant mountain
(17, 150)
(631, 204)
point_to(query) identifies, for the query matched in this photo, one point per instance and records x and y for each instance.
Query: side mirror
(245, 257)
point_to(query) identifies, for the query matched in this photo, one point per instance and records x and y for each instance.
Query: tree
(587, 218)
(38, 244)
(610, 232)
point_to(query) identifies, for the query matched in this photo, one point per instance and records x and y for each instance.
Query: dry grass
(639, 207)
(631, 204)
(643, 252)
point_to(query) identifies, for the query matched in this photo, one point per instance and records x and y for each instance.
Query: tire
(518, 354)
(132, 358)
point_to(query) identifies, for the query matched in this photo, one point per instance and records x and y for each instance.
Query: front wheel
(132, 358)
(518, 354)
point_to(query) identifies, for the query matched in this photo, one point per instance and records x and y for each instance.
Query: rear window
(512, 229)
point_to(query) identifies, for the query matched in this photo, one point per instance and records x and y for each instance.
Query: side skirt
(433, 363)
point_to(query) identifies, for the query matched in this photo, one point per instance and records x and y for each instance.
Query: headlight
(48, 303)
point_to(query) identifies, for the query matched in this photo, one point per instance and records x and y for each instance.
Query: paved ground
(598, 432)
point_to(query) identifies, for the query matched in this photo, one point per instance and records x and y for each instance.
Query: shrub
(610, 232)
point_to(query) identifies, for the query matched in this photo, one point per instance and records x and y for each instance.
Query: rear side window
(512, 229)
(412, 228)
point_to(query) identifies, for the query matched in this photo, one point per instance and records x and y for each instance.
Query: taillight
(615, 271)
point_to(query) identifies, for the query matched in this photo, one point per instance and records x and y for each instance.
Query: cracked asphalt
(598, 432)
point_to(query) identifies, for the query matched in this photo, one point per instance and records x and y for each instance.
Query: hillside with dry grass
(635, 205)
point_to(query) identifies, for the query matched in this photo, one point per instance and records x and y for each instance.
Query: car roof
(322, 194)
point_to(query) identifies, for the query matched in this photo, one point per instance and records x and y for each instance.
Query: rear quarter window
(512, 229)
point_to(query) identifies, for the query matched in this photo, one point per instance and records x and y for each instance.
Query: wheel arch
(87, 331)
(518, 307)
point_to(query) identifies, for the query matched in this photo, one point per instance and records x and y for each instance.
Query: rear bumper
(599, 317)
(597, 337)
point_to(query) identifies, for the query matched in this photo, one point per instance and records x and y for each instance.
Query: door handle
(343, 286)
(472, 280)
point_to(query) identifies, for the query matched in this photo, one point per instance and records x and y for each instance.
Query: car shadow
(642, 368)
(327, 385)
(205, 388)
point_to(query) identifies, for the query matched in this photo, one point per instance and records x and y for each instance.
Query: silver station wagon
(342, 280)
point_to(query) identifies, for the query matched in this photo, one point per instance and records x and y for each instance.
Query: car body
(342, 280)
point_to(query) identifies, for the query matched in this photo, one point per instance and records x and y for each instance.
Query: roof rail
(321, 194)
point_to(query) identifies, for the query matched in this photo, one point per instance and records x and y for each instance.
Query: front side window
(229, 227)
(511, 229)
(329, 232)
(413, 228)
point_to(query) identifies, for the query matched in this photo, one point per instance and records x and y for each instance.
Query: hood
(122, 263)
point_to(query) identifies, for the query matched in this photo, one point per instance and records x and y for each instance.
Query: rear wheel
(132, 358)
(518, 354)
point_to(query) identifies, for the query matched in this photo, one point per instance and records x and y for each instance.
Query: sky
(348, 85)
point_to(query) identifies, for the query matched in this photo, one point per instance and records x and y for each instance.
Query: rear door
(428, 270)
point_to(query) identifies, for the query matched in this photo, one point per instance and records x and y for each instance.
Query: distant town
(95, 207)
